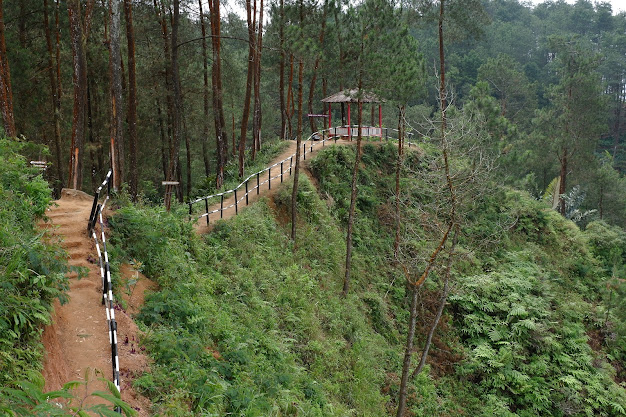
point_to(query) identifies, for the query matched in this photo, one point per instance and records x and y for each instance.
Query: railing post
(290, 165)
(304, 146)
(236, 207)
(281, 172)
(247, 192)
(222, 207)
(206, 206)
(269, 178)
(257, 183)
(311, 146)
(189, 210)
(387, 134)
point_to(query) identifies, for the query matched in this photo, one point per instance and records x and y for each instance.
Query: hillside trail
(77, 342)
(200, 224)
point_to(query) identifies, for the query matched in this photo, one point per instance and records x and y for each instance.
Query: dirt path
(264, 190)
(77, 341)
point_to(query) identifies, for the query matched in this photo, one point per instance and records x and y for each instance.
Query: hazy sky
(618, 5)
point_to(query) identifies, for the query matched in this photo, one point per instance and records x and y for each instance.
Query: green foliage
(28, 399)
(245, 326)
(32, 272)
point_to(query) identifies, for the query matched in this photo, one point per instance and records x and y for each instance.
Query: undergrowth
(246, 323)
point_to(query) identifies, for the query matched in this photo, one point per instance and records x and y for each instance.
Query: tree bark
(562, 184)
(257, 118)
(249, 78)
(116, 121)
(396, 243)
(281, 71)
(6, 94)
(205, 93)
(216, 81)
(79, 81)
(289, 109)
(132, 100)
(316, 66)
(56, 105)
(294, 192)
(174, 171)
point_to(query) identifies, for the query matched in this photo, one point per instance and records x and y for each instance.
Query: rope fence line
(95, 218)
(311, 142)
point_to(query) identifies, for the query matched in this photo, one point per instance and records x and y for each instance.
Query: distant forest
(190, 91)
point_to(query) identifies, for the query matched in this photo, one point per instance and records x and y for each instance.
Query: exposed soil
(77, 342)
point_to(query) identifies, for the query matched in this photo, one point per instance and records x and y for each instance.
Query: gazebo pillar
(380, 120)
(330, 116)
(349, 128)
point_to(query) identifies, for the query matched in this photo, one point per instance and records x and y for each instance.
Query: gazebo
(352, 96)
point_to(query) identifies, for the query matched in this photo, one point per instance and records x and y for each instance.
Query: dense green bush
(32, 272)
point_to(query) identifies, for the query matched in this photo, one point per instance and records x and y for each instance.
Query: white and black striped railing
(105, 271)
(252, 184)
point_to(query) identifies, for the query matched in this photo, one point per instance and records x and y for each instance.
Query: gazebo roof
(351, 96)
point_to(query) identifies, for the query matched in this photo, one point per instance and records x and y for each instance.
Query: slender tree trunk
(281, 71)
(159, 9)
(406, 365)
(164, 161)
(6, 94)
(562, 184)
(205, 93)
(408, 351)
(396, 243)
(316, 66)
(216, 80)
(115, 64)
(289, 109)
(294, 192)
(174, 167)
(353, 194)
(56, 104)
(188, 149)
(256, 121)
(79, 80)
(132, 99)
(246, 100)
(442, 303)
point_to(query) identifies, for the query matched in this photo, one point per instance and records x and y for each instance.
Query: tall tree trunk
(161, 15)
(205, 93)
(216, 81)
(316, 66)
(256, 142)
(353, 194)
(56, 105)
(79, 80)
(281, 71)
(246, 100)
(289, 109)
(562, 183)
(174, 168)
(132, 99)
(164, 142)
(294, 191)
(396, 243)
(115, 65)
(6, 94)
(406, 365)
(188, 157)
